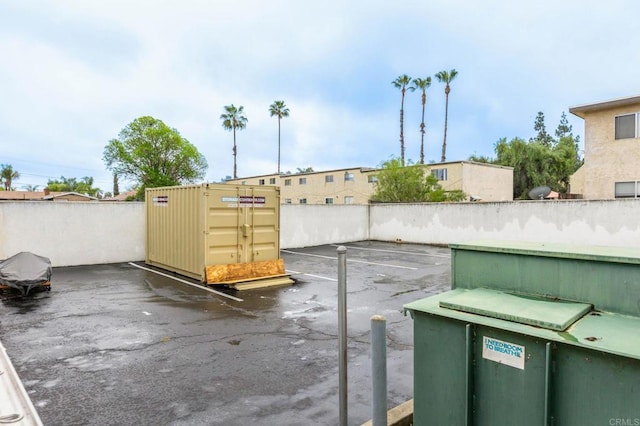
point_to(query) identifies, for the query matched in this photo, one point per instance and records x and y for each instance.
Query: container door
(241, 224)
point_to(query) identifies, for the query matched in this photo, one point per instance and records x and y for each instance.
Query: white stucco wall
(609, 223)
(83, 233)
(311, 225)
(73, 233)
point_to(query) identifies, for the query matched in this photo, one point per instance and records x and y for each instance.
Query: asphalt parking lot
(120, 345)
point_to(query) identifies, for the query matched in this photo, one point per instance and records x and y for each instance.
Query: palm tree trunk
(402, 128)
(424, 101)
(235, 154)
(278, 144)
(446, 117)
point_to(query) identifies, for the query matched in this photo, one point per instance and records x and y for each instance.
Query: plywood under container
(205, 231)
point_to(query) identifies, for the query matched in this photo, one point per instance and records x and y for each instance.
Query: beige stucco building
(611, 150)
(342, 186)
(482, 182)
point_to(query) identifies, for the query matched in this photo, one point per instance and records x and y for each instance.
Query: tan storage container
(217, 233)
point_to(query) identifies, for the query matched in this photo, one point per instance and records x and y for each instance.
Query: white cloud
(80, 71)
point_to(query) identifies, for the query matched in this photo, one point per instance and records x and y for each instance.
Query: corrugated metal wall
(175, 229)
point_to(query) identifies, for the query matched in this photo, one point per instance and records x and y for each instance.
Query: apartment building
(341, 186)
(479, 181)
(611, 149)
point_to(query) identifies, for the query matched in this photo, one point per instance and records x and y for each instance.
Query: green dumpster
(530, 334)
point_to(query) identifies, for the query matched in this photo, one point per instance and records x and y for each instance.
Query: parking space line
(321, 277)
(351, 260)
(310, 275)
(237, 299)
(446, 256)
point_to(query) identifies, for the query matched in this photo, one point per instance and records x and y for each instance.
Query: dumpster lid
(568, 251)
(598, 330)
(547, 313)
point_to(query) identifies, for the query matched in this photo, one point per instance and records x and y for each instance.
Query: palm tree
(422, 84)
(446, 77)
(401, 83)
(233, 119)
(7, 174)
(278, 109)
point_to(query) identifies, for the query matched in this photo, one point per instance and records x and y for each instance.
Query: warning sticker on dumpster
(503, 352)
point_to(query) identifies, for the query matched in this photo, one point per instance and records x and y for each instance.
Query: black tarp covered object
(25, 271)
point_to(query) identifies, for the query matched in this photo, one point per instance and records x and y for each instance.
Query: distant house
(612, 150)
(356, 185)
(123, 196)
(68, 196)
(45, 195)
(21, 195)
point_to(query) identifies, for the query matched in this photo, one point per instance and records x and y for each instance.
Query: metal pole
(342, 333)
(379, 370)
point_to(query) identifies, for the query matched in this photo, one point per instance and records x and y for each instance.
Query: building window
(627, 189)
(440, 174)
(287, 182)
(348, 199)
(328, 179)
(287, 200)
(302, 181)
(627, 126)
(348, 176)
(328, 200)
(261, 182)
(372, 179)
(244, 182)
(272, 181)
(303, 201)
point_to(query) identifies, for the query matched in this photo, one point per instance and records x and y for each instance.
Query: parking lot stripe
(321, 277)
(351, 260)
(310, 275)
(237, 299)
(446, 256)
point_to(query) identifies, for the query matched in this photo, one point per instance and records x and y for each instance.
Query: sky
(74, 73)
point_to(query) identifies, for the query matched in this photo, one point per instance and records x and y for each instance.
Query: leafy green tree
(233, 118)
(31, 188)
(153, 154)
(8, 175)
(303, 170)
(567, 161)
(446, 77)
(542, 137)
(422, 84)
(402, 83)
(82, 186)
(280, 110)
(536, 164)
(409, 184)
(481, 159)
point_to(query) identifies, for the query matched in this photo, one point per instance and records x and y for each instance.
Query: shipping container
(216, 233)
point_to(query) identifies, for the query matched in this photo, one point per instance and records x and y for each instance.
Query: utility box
(530, 334)
(216, 233)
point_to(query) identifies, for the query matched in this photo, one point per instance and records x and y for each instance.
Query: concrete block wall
(608, 223)
(73, 233)
(311, 225)
(81, 233)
